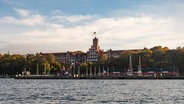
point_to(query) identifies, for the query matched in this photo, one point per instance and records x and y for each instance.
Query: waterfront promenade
(96, 77)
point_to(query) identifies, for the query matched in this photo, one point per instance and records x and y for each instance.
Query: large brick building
(117, 53)
(69, 57)
(91, 55)
(78, 56)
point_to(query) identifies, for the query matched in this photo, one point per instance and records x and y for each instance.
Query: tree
(17, 64)
(158, 55)
(12, 64)
(55, 67)
(50, 58)
(123, 59)
(146, 58)
(179, 59)
(1, 56)
(5, 64)
(83, 67)
(102, 58)
(41, 60)
(31, 62)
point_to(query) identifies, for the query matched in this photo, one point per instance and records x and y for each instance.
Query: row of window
(92, 60)
(93, 53)
(95, 56)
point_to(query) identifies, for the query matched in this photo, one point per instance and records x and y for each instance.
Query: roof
(122, 51)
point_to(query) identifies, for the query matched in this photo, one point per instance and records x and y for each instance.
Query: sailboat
(139, 67)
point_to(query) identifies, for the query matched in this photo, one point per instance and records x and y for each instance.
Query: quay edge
(97, 77)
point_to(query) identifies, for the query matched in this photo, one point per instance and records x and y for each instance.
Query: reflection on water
(91, 91)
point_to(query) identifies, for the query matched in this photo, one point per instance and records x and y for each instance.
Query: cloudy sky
(31, 26)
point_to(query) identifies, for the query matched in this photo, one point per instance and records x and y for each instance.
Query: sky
(49, 26)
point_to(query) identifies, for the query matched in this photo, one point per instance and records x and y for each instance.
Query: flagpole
(94, 34)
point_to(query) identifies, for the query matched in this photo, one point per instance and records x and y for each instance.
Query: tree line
(155, 57)
(16, 64)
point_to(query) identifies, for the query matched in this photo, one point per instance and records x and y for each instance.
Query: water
(91, 91)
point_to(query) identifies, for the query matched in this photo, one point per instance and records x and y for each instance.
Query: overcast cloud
(32, 32)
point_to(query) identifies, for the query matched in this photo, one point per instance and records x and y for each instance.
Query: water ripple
(91, 91)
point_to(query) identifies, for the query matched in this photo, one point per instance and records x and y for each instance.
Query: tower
(93, 52)
(95, 43)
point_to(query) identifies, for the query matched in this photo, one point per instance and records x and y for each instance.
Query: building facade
(92, 55)
(78, 56)
(69, 57)
(117, 53)
(93, 52)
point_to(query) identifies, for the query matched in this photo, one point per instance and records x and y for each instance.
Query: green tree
(31, 62)
(55, 67)
(102, 58)
(146, 58)
(123, 59)
(83, 67)
(158, 55)
(17, 64)
(12, 64)
(179, 59)
(41, 60)
(5, 64)
(50, 58)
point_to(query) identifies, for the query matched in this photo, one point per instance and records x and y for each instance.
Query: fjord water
(91, 91)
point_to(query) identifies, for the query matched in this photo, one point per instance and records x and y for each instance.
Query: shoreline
(96, 77)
